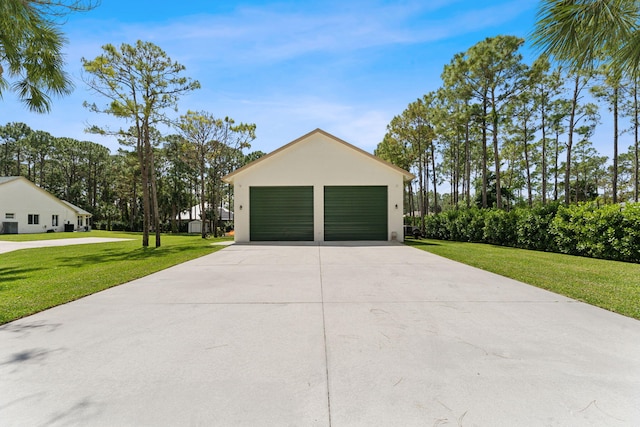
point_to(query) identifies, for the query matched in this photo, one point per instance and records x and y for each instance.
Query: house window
(33, 219)
(54, 220)
(79, 221)
(9, 216)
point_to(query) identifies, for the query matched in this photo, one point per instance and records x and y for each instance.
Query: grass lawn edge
(612, 285)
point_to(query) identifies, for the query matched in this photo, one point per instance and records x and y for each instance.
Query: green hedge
(608, 232)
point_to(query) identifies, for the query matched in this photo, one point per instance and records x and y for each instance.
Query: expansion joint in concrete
(324, 332)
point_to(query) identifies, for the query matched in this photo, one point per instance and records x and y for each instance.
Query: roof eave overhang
(407, 176)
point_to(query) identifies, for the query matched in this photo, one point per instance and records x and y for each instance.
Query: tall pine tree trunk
(154, 196)
(528, 166)
(544, 151)
(435, 180)
(636, 125)
(614, 187)
(484, 152)
(143, 138)
(496, 151)
(572, 124)
(467, 172)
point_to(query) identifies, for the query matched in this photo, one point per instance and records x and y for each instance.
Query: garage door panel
(281, 213)
(355, 213)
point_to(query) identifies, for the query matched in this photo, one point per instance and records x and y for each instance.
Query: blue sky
(288, 66)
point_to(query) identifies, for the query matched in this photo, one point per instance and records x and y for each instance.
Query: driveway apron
(353, 334)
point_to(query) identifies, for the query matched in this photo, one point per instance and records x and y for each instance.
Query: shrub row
(608, 232)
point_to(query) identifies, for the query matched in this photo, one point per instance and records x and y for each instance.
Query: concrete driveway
(329, 335)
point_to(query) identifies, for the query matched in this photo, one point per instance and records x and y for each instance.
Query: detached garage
(318, 188)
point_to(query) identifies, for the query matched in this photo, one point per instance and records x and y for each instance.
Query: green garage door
(280, 213)
(355, 213)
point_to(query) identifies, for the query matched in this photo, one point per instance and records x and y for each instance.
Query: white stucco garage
(318, 188)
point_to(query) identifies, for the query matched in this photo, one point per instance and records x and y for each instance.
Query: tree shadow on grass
(9, 274)
(109, 255)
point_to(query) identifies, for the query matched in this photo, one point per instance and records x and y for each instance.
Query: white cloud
(285, 119)
(289, 70)
(269, 34)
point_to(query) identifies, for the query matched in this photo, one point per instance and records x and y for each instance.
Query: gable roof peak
(406, 175)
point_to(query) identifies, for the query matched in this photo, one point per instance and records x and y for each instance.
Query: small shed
(318, 188)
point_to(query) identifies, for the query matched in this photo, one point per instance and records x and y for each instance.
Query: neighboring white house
(27, 208)
(224, 214)
(318, 188)
(195, 225)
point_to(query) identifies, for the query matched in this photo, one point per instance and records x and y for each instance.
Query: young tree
(15, 139)
(414, 130)
(523, 127)
(588, 169)
(127, 188)
(452, 123)
(497, 64)
(546, 87)
(631, 109)
(559, 111)
(399, 153)
(207, 137)
(457, 78)
(31, 60)
(232, 140)
(579, 113)
(179, 172)
(611, 91)
(41, 144)
(627, 175)
(141, 82)
(68, 158)
(491, 70)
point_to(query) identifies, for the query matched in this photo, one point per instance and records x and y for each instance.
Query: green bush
(629, 244)
(533, 227)
(608, 232)
(565, 231)
(469, 225)
(603, 232)
(450, 223)
(500, 227)
(587, 230)
(119, 226)
(435, 227)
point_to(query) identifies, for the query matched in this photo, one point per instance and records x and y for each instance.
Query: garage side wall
(318, 161)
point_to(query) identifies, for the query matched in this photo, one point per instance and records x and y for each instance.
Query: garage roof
(407, 176)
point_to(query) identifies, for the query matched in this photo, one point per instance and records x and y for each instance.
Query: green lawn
(612, 285)
(32, 280)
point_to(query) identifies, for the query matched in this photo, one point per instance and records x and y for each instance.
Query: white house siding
(318, 160)
(21, 198)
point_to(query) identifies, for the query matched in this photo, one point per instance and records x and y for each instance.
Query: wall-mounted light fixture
(396, 206)
(240, 207)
